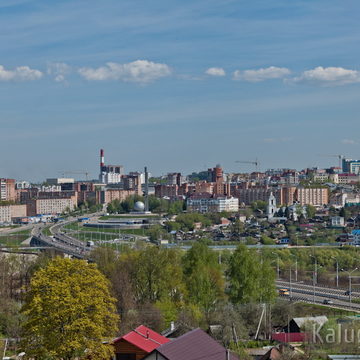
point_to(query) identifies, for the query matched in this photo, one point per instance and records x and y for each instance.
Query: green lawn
(13, 240)
(81, 228)
(46, 231)
(94, 236)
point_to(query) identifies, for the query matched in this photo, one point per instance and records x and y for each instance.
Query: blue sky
(177, 85)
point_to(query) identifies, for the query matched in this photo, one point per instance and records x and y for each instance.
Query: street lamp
(296, 267)
(337, 270)
(290, 284)
(277, 265)
(349, 273)
(315, 269)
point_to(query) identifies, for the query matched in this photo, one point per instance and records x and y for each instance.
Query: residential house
(297, 324)
(193, 345)
(137, 343)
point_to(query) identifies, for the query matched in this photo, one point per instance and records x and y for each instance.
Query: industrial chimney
(102, 166)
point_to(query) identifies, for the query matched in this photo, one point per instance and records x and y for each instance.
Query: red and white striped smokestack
(102, 163)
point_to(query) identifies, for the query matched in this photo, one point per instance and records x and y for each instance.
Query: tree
(344, 213)
(203, 277)
(259, 205)
(310, 211)
(158, 275)
(251, 279)
(69, 312)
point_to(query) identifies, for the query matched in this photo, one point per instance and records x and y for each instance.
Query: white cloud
(21, 73)
(141, 71)
(262, 74)
(59, 71)
(215, 71)
(329, 76)
(348, 141)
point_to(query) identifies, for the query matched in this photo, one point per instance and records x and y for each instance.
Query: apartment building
(249, 195)
(51, 205)
(9, 212)
(345, 179)
(109, 195)
(169, 191)
(206, 202)
(312, 196)
(7, 190)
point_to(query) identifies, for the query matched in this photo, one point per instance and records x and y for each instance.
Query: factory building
(110, 174)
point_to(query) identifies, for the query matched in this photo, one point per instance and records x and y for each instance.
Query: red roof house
(138, 343)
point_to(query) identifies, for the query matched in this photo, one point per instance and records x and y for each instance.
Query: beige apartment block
(109, 195)
(8, 212)
(51, 206)
(312, 196)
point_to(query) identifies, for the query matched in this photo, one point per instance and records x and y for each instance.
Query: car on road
(347, 292)
(327, 302)
(284, 292)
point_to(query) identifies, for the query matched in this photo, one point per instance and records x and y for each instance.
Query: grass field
(79, 227)
(94, 236)
(14, 239)
(46, 231)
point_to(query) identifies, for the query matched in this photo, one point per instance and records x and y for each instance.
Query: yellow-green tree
(69, 312)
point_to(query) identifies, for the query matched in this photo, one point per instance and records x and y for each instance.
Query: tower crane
(80, 172)
(256, 163)
(340, 157)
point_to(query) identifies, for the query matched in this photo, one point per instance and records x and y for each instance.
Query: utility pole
(315, 269)
(296, 268)
(277, 265)
(146, 190)
(290, 285)
(350, 284)
(314, 287)
(337, 271)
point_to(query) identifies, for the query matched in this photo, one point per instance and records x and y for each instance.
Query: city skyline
(176, 86)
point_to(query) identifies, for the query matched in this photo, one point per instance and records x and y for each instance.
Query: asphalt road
(309, 293)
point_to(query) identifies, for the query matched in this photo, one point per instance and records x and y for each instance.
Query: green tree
(344, 213)
(266, 240)
(158, 275)
(259, 204)
(203, 277)
(310, 211)
(237, 227)
(69, 312)
(251, 279)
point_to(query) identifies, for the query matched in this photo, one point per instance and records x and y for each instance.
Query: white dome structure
(139, 206)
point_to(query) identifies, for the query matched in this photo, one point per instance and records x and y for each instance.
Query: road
(309, 293)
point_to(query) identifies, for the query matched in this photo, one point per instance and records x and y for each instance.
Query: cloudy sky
(177, 84)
